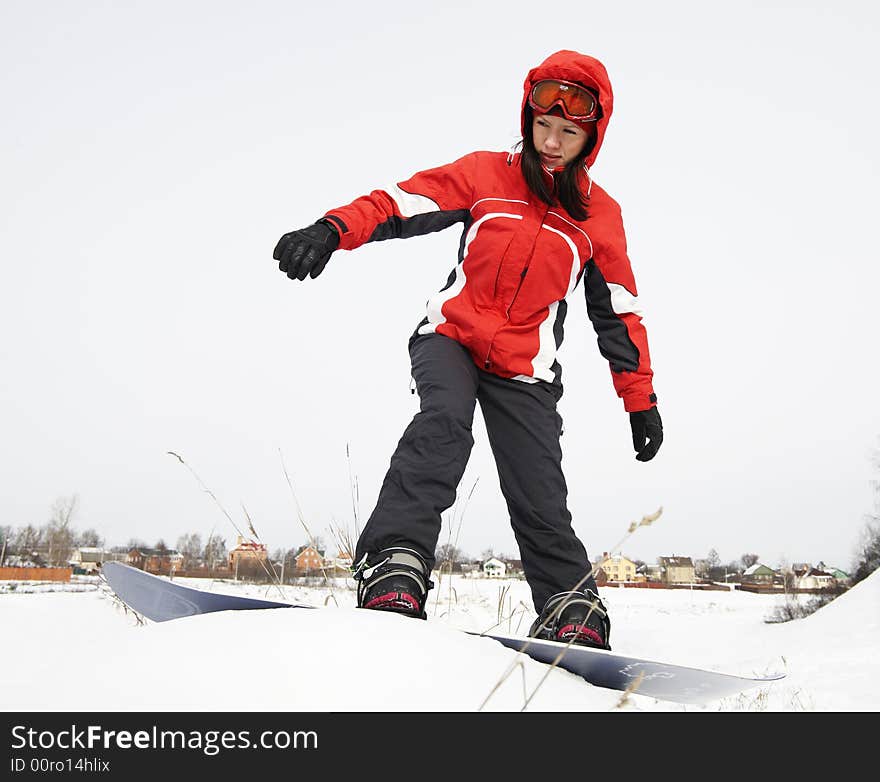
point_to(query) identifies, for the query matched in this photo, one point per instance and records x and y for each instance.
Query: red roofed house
(309, 559)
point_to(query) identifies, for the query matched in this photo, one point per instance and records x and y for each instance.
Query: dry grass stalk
(273, 576)
(502, 595)
(517, 662)
(452, 545)
(624, 699)
(302, 521)
(645, 521)
(355, 497)
(107, 590)
(343, 537)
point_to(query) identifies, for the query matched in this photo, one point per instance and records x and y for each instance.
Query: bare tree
(701, 568)
(89, 539)
(215, 551)
(288, 561)
(135, 543)
(60, 536)
(748, 560)
(27, 541)
(714, 569)
(732, 570)
(868, 551)
(448, 555)
(190, 545)
(5, 535)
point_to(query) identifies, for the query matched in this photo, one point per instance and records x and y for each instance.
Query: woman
(534, 225)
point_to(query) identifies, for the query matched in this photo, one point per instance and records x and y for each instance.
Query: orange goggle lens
(576, 102)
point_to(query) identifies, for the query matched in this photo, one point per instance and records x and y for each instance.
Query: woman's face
(557, 140)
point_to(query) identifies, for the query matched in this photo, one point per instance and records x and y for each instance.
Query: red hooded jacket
(519, 258)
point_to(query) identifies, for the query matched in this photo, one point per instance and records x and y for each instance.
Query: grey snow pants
(524, 429)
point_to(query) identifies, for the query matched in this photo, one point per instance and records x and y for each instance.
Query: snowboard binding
(395, 579)
(574, 617)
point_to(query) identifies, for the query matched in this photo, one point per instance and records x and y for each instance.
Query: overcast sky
(151, 154)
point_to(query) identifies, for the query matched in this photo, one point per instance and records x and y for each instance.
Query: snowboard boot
(395, 579)
(574, 617)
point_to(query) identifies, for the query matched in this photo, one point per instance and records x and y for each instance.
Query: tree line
(54, 543)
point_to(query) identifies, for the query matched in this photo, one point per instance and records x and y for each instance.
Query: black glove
(306, 252)
(647, 429)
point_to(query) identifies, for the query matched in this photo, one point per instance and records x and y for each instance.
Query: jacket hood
(580, 68)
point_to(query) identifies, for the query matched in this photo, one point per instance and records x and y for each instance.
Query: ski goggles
(577, 103)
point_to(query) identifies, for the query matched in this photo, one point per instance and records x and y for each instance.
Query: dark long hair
(567, 187)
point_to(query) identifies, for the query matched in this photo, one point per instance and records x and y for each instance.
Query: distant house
(309, 559)
(677, 570)
(617, 567)
(758, 574)
(494, 568)
(814, 578)
(839, 576)
(341, 564)
(87, 560)
(471, 569)
(514, 567)
(246, 551)
(158, 561)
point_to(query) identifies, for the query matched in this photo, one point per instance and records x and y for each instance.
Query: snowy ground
(75, 650)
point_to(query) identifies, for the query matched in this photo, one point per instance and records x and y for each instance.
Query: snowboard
(162, 600)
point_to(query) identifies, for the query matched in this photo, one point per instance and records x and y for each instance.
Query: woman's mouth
(551, 161)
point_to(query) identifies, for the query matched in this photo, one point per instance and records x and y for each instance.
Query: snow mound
(281, 660)
(856, 611)
(69, 652)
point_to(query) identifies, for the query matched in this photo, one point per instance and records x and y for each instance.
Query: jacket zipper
(487, 364)
(522, 275)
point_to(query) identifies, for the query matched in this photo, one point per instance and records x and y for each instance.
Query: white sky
(153, 152)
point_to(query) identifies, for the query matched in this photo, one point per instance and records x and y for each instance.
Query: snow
(75, 650)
